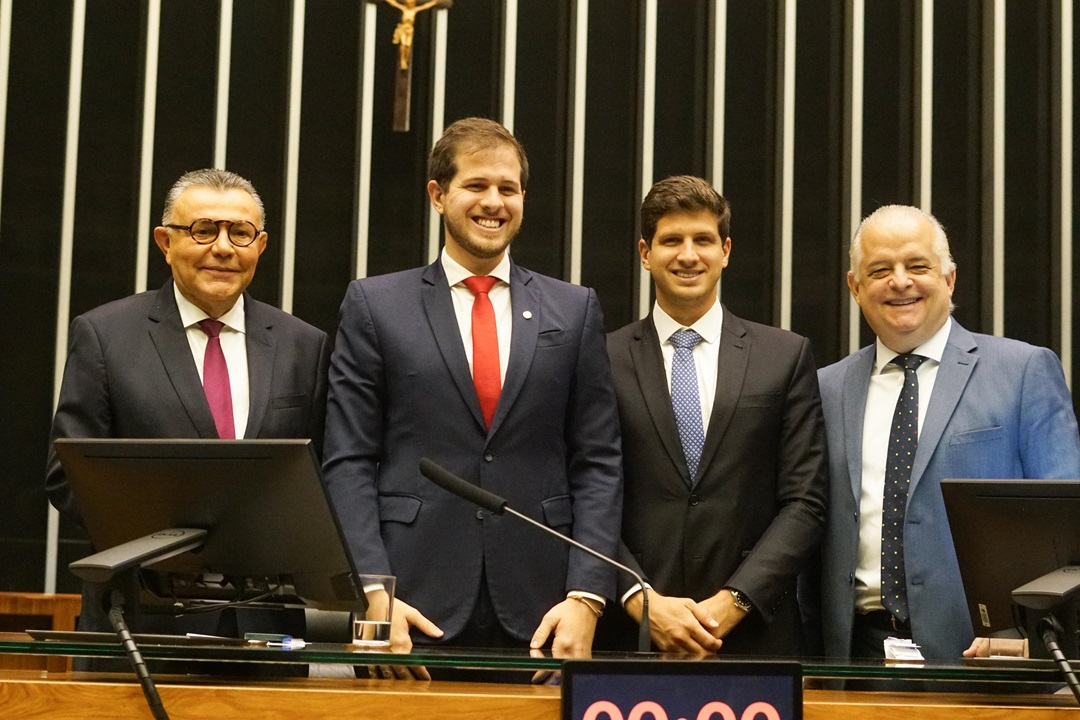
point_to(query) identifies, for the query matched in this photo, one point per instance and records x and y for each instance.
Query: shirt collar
(191, 314)
(455, 272)
(708, 326)
(932, 349)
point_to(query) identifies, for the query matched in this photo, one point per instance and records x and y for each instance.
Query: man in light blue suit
(985, 407)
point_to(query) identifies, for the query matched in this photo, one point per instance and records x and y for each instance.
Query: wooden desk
(89, 697)
(37, 611)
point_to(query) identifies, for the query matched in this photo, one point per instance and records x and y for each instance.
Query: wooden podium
(37, 611)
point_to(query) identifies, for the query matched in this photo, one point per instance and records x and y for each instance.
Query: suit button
(479, 513)
(694, 500)
(488, 457)
(850, 578)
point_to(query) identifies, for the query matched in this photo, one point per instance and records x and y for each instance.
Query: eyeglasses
(205, 231)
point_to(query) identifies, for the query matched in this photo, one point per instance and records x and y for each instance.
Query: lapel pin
(527, 315)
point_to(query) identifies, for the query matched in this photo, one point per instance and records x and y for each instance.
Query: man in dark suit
(723, 445)
(509, 388)
(983, 407)
(136, 366)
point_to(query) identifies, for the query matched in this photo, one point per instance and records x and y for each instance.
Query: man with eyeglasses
(196, 358)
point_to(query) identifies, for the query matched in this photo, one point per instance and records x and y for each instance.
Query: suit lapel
(730, 374)
(957, 363)
(260, 357)
(856, 387)
(524, 299)
(648, 361)
(170, 340)
(439, 308)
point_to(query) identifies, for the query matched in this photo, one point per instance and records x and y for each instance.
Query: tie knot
(478, 284)
(212, 328)
(684, 339)
(909, 361)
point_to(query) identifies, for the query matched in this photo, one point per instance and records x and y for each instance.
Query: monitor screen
(1008, 533)
(271, 529)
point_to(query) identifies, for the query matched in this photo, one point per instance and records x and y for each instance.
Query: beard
(480, 250)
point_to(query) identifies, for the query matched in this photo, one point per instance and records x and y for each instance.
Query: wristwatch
(741, 601)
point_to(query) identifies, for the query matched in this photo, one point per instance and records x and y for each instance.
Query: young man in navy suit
(499, 375)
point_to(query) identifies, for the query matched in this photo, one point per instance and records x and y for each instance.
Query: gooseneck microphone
(490, 501)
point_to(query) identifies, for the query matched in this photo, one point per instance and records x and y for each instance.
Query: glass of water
(371, 628)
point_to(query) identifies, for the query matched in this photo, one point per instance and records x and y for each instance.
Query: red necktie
(216, 380)
(485, 343)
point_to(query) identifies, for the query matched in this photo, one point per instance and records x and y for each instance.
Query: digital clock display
(681, 690)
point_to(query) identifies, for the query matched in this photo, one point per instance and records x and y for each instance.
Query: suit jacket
(1000, 409)
(400, 390)
(756, 509)
(130, 374)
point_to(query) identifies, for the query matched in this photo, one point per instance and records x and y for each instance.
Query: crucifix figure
(403, 38)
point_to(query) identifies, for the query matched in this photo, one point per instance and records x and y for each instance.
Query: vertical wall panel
(541, 120)
(326, 203)
(889, 104)
(473, 59)
(609, 258)
(110, 131)
(1028, 172)
(258, 119)
(184, 126)
(399, 202)
(820, 307)
(957, 158)
(750, 157)
(682, 60)
(30, 222)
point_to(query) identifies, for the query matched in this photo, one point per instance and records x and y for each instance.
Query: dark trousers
(482, 631)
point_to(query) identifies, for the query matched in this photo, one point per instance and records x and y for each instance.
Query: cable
(116, 617)
(1049, 627)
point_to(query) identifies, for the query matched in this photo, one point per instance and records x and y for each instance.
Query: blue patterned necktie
(685, 400)
(903, 440)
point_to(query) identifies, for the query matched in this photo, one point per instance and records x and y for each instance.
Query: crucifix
(403, 38)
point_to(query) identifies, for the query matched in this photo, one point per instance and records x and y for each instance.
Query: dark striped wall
(806, 114)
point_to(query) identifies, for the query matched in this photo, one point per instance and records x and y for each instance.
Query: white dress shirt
(706, 364)
(886, 382)
(706, 353)
(233, 346)
(500, 303)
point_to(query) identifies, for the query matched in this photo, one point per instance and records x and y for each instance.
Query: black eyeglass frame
(232, 223)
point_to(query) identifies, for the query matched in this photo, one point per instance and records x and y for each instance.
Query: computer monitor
(1008, 533)
(271, 532)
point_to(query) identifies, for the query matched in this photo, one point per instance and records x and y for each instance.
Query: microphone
(490, 501)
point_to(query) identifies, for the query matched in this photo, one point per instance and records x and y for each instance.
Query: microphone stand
(1049, 627)
(644, 635)
(490, 501)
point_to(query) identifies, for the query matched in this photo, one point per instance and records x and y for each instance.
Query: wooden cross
(403, 38)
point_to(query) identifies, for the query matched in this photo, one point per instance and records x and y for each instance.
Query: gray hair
(212, 178)
(887, 213)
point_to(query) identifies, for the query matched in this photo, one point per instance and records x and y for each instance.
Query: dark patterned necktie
(903, 440)
(685, 400)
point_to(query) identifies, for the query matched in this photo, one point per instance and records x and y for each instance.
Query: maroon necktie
(216, 380)
(485, 343)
